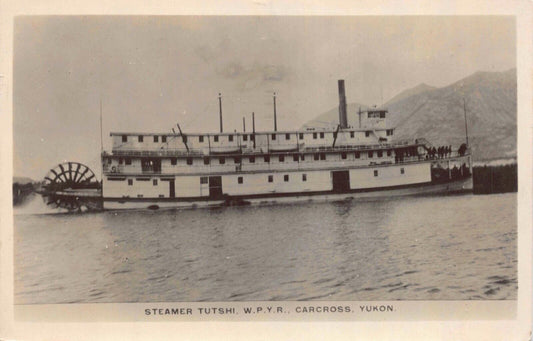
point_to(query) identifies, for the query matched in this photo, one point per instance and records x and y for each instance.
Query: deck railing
(278, 149)
(289, 165)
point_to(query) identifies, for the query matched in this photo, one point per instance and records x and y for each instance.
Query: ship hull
(464, 185)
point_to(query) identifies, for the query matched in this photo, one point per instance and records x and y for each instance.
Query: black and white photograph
(311, 162)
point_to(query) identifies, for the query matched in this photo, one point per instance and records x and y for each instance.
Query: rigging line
(172, 137)
(183, 138)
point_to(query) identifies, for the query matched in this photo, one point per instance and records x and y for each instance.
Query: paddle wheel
(72, 186)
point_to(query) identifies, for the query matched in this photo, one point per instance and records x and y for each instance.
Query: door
(215, 187)
(172, 189)
(341, 181)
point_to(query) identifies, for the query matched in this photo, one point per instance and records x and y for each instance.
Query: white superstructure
(196, 169)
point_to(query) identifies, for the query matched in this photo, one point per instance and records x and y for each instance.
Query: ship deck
(265, 150)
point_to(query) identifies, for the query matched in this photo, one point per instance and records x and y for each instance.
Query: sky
(150, 73)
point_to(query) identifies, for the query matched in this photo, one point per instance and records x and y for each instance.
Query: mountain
(438, 114)
(420, 88)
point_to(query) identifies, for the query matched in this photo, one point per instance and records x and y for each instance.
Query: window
(239, 180)
(173, 161)
(251, 159)
(352, 134)
(322, 156)
(380, 153)
(287, 136)
(120, 161)
(252, 137)
(141, 138)
(189, 160)
(163, 139)
(390, 132)
(237, 159)
(295, 157)
(221, 160)
(376, 114)
(215, 138)
(375, 173)
(271, 178)
(357, 155)
(316, 157)
(367, 133)
(151, 165)
(286, 178)
(302, 157)
(402, 171)
(130, 182)
(304, 177)
(206, 160)
(128, 161)
(200, 139)
(301, 136)
(156, 138)
(245, 137)
(370, 154)
(273, 137)
(124, 138)
(321, 135)
(154, 182)
(389, 152)
(343, 156)
(314, 136)
(281, 158)
(230, 138)
(267, 158)
(203, 180)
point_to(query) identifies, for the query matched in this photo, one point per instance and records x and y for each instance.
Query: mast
(253, 127)
(243, 124)
(101, 146)
(220, 109)
(275, 118)
(466, 125)
(101, 138)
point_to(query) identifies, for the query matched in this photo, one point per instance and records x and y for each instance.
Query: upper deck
(248, 142)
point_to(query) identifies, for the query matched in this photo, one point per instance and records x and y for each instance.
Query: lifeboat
(285, 147)
(226, 150)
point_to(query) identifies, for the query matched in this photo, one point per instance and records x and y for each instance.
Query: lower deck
(141, 191)
(453, 186)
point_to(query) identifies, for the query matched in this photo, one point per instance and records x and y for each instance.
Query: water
(427, 248)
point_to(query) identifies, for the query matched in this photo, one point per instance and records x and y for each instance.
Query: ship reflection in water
(430, 248)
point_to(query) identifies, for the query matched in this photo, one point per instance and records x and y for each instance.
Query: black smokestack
(343, 120)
